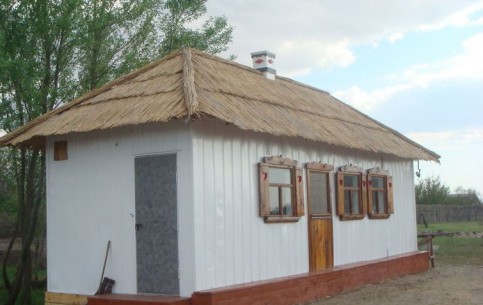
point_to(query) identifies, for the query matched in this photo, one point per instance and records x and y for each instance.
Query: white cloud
(461, 153)
(449, 138)
(366, 101)
(395, 37)
(2, 132)
(312, 53)
(310, 34)
(459, 19)
(466, 66)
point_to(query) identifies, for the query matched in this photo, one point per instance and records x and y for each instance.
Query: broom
(105, 284)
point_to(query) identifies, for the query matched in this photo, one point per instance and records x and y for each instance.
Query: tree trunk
(28, 210)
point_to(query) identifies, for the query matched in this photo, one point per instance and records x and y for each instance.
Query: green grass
(37, 294)
(456, 250)
(452, 227)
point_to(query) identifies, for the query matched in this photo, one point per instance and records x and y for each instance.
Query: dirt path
(442, 285)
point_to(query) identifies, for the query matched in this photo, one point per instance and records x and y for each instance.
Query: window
(318, 189)
(351, 193)
(380, 199)
(60, 150)
(281, 190)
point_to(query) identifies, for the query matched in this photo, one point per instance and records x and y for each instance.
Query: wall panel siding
(232, 243)
(91, 200)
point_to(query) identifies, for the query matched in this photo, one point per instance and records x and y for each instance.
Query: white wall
(222, 240)
(233, 244)
(91, 200)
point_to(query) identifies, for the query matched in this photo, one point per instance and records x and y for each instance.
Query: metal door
(156, 224)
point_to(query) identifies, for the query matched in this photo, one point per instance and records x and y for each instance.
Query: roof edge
(7, 139)
(435, 156)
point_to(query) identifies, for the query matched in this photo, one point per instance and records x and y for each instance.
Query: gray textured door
(156, 225)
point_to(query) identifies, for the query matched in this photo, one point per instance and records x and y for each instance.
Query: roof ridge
(189, 89)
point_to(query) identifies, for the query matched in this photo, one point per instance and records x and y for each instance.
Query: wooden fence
(448, 213)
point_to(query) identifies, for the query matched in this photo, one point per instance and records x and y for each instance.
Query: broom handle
(105, 261)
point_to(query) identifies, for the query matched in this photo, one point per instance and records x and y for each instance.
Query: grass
(452, 227)
(456, 250)
(37, 294)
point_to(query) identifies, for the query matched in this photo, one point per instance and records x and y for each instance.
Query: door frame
(326, 217)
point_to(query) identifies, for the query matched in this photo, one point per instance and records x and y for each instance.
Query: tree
(52, 51)
(431, 191)
(462, 196)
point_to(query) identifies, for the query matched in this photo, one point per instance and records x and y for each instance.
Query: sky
(414, 65)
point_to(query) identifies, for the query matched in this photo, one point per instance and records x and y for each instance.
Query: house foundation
(314, 285)
(282, 291)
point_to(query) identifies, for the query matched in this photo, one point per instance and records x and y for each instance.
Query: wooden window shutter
(340, 193)
(369, 194)
(60, 151)
(390, 199)
(264, 185)
(364, 183)
(299, 192)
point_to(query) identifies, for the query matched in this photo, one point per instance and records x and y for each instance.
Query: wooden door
(156, 224)
(320, 243)
(321, 252)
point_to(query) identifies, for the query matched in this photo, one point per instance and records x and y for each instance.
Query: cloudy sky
(414, 65)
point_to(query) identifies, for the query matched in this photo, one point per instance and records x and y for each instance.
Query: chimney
(263, 61)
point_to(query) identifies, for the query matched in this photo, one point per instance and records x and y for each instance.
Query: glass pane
(374, 201)
(318, 193)
(279, 175)
(287, 201)
(378, 182)
(355, 203)
(347, 202)
(274, 200)
(381, 202)
(351, 181)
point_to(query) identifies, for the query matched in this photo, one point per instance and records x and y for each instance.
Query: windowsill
(351, 217)
(379, 216)
(320, 216)
(274, 219)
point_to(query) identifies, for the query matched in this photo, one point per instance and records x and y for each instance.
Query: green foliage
(431, 191)
(464, 196)
(213, 37)
(8, 198)
(37, 294)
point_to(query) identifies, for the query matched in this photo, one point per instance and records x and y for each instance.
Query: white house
(204, 173)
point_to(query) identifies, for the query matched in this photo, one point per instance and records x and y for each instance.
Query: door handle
(138, 226)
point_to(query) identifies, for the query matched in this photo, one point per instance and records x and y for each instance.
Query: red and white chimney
(264, 61)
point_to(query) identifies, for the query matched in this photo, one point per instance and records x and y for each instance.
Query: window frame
(388, 193)
(350, 170)
(296, 177)
(316, 167)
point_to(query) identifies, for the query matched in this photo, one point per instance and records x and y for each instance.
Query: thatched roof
(195, 85)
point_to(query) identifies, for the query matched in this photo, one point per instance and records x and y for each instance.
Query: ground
(456, 279)
(442, 285)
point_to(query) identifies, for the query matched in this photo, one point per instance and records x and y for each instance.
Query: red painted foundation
(312, 286)
(291, 289)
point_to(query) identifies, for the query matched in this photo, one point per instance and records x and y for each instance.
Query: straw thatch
(192, 84)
